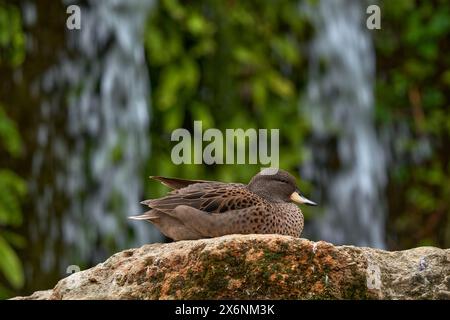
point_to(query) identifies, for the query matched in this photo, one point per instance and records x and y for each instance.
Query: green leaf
(175, 9)
(198, 25)
(9, 135)
(5, 293)
(10, 265)
(201, 112)
(281, 86)
(173, 119)
(13, 188)
(16, 240)
(12, 38)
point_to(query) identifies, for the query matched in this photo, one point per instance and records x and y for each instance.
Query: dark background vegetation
(241, 62)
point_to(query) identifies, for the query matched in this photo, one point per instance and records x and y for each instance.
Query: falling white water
(346, 157)
(102, 151)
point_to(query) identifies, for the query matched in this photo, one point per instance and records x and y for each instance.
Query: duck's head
(277, 185)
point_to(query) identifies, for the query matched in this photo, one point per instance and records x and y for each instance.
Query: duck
(197, 209)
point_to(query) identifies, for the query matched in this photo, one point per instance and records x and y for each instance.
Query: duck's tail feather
(146, 202)
(149, 215)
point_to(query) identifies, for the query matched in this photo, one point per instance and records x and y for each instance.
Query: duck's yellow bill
(297, 198)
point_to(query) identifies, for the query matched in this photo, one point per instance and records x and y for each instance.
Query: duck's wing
(241, 221)
(176, 183)
(210, 197)
(169, 225)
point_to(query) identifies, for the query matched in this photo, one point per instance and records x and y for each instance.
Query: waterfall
(345, 156)
(94, 136)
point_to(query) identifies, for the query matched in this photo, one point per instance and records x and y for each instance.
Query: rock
(260, 267)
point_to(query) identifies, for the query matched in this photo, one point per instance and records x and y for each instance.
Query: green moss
(276, 267)
(357, 289)
(177, 284)
(216, 280)
(157, 278)
(261, 277)
(271, 256)
(284, 247)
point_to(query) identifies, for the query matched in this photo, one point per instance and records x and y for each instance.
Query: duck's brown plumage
(202, 209)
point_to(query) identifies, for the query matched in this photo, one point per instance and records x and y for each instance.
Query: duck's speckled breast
(287, 219)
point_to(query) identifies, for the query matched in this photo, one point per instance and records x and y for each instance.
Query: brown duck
(202, 209)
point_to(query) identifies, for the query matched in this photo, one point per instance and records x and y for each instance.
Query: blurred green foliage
(12, 187)
(413, 91)
(12, 192)
(12, 39)
(231, 64)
